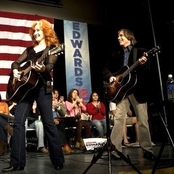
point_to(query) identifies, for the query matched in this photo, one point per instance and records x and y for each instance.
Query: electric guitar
(17, 88)
(125, 80)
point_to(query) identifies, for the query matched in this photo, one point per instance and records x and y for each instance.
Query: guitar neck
(130, 69)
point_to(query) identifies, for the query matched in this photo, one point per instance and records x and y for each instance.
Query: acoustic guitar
(17, 88)
(125, 80)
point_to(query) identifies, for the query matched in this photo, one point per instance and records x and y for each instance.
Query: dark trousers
(44, 102)
(87, 129)
(3, 133)
(62, 132)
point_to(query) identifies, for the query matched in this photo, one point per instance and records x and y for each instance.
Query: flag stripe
(5, 27)
(4, 86)
(20, 16)
(4, 71)
(15, 42)
(8, 57)
(14, 38)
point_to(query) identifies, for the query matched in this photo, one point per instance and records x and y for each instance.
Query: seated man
(38, 125)
(59, 111)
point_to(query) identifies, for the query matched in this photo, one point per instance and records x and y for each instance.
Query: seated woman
(38, 125)
(5, 128)
(98, 111)
(75, 106)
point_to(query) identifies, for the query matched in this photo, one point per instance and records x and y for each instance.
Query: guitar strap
(47, 84)
(134, 54)
(46, 50)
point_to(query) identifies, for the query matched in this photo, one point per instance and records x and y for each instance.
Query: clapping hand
(98, 105)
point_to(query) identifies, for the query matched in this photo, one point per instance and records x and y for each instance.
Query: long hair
(129, 35)
(48, 31)
(69, 97)
(90, 98)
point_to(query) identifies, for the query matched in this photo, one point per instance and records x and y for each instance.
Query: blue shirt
(126, 54)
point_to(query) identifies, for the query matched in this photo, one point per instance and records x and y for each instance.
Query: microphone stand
(108, 146)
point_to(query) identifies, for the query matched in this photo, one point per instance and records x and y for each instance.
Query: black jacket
(139, 72)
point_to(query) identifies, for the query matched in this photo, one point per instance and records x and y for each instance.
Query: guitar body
(118, 89)
(18, 88)
(125, 80)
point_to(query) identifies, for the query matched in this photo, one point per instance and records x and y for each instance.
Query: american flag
(14, 38)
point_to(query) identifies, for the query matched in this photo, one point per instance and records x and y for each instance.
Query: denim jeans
(44, 103)
(38, 125)
(100, 126)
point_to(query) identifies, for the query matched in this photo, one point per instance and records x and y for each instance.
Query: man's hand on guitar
(39, 67)
(112, 79)
(143, 59)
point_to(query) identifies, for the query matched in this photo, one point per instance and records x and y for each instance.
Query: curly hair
(48, 31)
(69, 97)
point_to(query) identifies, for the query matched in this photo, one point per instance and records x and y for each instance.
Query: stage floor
(81, 162)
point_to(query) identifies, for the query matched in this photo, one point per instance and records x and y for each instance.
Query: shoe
(58, 167)
(82, 144)
(67, 149)
(77, 146)
(149, 156)
(136, 144)
(127, 144)
(43, 150)
(12, 168)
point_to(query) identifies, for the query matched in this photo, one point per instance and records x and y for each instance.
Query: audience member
(59, 111)
(59, 103)
(75, 106)
(38, 125)
(5, 128)
(97, 109)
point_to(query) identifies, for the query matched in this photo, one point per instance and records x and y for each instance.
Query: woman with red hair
(44, 39)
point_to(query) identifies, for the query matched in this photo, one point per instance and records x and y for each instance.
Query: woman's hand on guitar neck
(39, 67)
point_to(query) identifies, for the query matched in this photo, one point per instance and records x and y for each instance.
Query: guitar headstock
(153, 51)
(57, 50)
